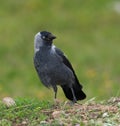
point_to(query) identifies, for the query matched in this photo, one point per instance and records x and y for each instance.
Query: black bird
(54, 68)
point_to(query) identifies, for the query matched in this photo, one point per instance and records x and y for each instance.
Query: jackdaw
(54, 68)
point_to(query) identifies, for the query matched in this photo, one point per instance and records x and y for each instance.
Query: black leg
(74, 98)
(55, 90)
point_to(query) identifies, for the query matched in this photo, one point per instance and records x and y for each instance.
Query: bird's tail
(77, 88)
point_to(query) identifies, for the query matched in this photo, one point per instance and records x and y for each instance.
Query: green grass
(87, 31)
(25, 111)
(33, 112)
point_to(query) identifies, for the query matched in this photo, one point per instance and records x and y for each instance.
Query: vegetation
(31, 112)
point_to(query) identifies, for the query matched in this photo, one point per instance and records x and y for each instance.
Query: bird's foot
(56, 101)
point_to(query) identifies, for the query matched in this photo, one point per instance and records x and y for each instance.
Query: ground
(29, 112)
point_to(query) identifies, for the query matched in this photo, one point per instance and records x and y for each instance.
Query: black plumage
(54, 68)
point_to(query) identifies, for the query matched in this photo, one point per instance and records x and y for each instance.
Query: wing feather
(67, 63)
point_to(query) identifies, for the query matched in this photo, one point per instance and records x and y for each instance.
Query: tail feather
(79, 94)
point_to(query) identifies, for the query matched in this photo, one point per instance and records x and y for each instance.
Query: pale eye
(43, 37)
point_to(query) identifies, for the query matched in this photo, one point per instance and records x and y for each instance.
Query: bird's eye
(43, 37)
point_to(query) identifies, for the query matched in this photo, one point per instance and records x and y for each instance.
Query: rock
(8, 101)
(57, 114)
(43, 122)
(105, 115)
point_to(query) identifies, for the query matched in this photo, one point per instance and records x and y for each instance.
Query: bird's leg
(55, 90)
(74, 98)
(56, 101)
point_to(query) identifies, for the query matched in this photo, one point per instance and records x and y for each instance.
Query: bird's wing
(66, 62)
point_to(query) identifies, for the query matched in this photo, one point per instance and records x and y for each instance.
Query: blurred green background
(88, 31)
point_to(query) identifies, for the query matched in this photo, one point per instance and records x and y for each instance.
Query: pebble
(8, 101)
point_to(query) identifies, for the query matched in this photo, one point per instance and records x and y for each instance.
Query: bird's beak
(51, 36)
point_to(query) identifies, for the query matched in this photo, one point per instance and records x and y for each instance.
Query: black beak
(51, 37)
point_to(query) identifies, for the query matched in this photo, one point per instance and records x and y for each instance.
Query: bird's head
(43, 38)
(47, 36)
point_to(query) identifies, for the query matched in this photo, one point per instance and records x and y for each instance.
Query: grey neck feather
(37, 42)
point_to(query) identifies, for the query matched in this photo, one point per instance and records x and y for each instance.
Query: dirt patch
(88, 113)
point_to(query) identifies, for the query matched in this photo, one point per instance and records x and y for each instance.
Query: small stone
(24, 122)
(105, 115)
(43, 122)
(56, 114)
(118, 104)
(77, 125)
(8, 101)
